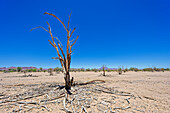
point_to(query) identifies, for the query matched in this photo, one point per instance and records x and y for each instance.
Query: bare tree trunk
(104, 73)
(67, 81)
(104, 70)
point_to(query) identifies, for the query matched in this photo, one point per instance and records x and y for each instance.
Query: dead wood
(64, 104)
(90, 82)
(149, 98)
(61, 95)
(84, 109)
(122, 108)
(85, 98)
(29, 75)
(128, 100)
(113, 92)
(35, 103)
(45, 107)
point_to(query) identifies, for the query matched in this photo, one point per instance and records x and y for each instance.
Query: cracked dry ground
(132, 92)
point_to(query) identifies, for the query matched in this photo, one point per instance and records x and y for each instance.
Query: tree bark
(67, 81)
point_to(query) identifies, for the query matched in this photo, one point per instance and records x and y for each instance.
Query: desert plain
(131, 92)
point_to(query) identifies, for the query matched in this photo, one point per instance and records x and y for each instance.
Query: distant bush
(29, 70)
(72, 70)
(126, 70)
(147, 69)
(119, 70)
(44, 70)
(32, 70)
(167, 69)
(41, 68)
(162, 69)
(12, 70)
(95, 70)
(108, 70)
(133, 69)
(57, 69)
(83, 70)
(19, 69)
(88, 69)
(5, 71)
(156, 69)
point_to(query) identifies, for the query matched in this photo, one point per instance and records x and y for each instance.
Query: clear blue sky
(132, 33)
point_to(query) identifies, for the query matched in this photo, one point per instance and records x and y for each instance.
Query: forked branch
(57, 19)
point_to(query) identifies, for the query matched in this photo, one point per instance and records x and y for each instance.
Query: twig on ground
(83, 109)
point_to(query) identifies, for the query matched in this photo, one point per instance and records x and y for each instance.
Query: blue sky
(129, 33)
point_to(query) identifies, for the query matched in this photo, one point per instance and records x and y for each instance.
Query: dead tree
(119, 70)
(25, 72)
(103, 70)
(50, 71)
(64, 58)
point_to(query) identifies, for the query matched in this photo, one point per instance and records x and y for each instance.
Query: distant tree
(34, 70)
(50, 70)
(133, 69)
(88, 69)
(123, 69)
(72, 70)
(44, 70)
(41, 68)
(25, 71)
(156, 69)
(5, 71)
(57, 69)
(12, 70)
(162, 69)
(82, 70)
(78, 70)
(119, 70)
(19, 69)
(103, 68)
(108, 70)
(94, 69)
(30, 70)
(167, 69)
(148, 69)
(126, 69)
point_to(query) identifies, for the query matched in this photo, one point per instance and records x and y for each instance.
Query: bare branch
(51, 43)
(59, 41)
(56, 58)
(57, 19)
(54, 45)
(71, 52)
(72, 32)
(51, 34)
(61, 49)
(72, 40)
(39, 27)
(75, 41)
(69, 20)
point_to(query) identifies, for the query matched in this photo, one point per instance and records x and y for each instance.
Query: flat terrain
(131, 92)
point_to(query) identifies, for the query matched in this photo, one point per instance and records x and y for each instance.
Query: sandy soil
(132, 92)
